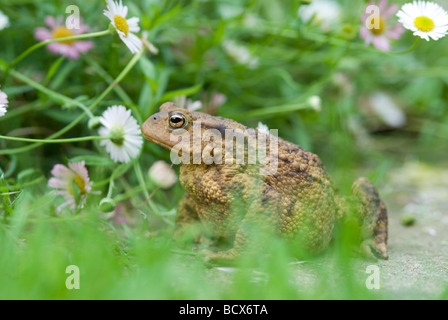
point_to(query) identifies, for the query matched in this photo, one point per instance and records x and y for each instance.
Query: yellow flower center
(378, 29)
(62, 32)
(81, 184)
(121, 24)
(424, 24)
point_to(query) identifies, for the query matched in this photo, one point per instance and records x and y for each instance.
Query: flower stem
(52, 94)
(88, 138)
(120, 77)
(44, 43)
(119, 171)
(139, 173)
(275, 110)
(68, 127)
(414, 45)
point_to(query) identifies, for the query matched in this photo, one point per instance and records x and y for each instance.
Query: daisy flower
(65, 178)
(4, 20)
(324, 13)
(188, 104)
(116, 12)
(425, 19)
(214, 102)
(262, 128)
(125, 140)
(70, 48)
(384, 30)
(162, 174)
(240, 54)
(3, 103)
(387, 110)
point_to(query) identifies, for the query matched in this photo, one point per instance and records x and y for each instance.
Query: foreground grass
(119, 262)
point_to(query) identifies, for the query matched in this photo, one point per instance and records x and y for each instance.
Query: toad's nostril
(154, 118)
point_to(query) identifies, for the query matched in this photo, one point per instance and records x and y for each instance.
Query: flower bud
(94, 123)
(315, 103)
(107, 205)
(162, 174)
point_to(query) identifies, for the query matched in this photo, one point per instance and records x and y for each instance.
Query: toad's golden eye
(177, 121)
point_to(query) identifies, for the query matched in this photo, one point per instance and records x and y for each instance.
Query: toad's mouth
(157, 141)
(160, 142)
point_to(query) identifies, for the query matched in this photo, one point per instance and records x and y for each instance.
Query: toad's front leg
(249, 239)
(187, 220)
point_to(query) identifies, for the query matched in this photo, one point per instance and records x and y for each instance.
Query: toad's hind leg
(374, 218)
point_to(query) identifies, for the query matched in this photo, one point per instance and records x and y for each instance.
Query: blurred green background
(377, 112)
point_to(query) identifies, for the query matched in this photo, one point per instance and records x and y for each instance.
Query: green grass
(119, 262)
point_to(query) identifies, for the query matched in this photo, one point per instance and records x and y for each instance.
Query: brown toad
(285, 187)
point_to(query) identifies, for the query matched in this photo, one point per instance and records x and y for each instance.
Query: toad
(235, 176)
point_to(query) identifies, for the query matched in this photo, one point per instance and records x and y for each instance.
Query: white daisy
(262, 128)
(4, 20)
(125, 140)
(425, 19)
(188, 104)
(240, 54)
(324, 13)
(3, 103)
(2, 110)
(116, 12)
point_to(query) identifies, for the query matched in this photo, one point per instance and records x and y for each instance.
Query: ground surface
(418, 264)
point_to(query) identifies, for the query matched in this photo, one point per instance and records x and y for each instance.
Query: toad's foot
(373, 215)
(372, 250)
(227, 257)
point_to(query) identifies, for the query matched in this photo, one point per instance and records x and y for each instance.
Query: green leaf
(63, 116)
(76, 191)
(27, 173)
(148, 68)
(162, 83)
(93, 160)
(54, 67)
(146, 98)
(12, 91)
(167, 16)
(62, 74)
(182, 92)
(3, 64)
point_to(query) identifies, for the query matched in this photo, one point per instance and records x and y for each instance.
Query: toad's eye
(177, 121)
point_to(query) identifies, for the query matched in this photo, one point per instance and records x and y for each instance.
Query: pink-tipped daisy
(117, 12)
(3, 103)
(379, 30)
(66, 178)
(70, 48)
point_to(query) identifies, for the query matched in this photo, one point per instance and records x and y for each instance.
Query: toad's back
(295, 194)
